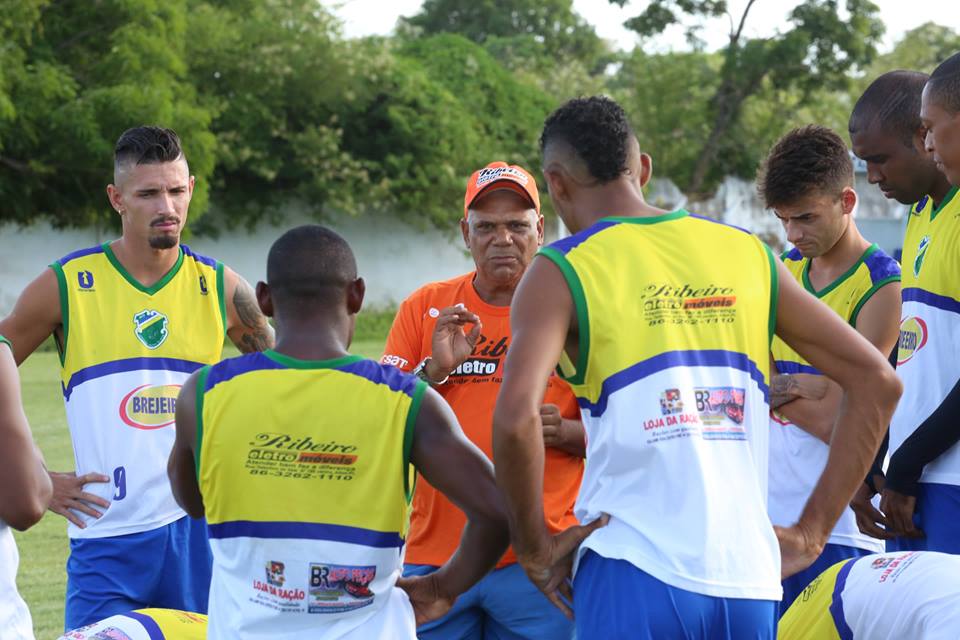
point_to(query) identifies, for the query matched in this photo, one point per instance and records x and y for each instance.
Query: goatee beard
(163, 242)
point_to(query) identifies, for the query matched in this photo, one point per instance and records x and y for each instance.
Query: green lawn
(44, 548)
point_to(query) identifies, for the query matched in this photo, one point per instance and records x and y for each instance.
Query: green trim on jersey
(6, 342)
(201, 383)
(774, 291)
(836, 283)
(666, 217)
(869, 294)
(296, 363)
(412, 413)
(221, 294)
(946, 201)
(580, 304)
(159, 284)
(64, 310)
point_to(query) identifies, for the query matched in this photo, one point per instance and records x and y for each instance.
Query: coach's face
(943, 136)
(152, 200)
(503, 232)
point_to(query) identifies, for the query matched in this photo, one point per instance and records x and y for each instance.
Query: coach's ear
(264, 300)
(355, 293)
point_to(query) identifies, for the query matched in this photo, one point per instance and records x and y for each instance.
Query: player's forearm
(815, 416)
(518, 461)
(26, 486)
(928, 442)
(575, 438)
(783, 389)
(863, 419)
(482, 544)
(183, 482)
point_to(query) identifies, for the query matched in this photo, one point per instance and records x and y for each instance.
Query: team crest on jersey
(921, 252)
(150, 327)
(913, 337)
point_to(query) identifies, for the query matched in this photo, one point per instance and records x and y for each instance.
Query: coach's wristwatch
(421, 372)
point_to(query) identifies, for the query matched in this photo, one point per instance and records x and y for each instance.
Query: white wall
(394, 258)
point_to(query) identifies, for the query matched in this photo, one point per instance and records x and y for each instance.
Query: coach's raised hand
(69, 496)
(450, 344)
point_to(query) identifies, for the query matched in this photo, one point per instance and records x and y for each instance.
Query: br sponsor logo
(913, 337)
(716, 404)
(336, 588)
(150, 406)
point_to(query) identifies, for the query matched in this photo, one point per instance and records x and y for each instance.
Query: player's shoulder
(382, 374)
(791, 255)
(441, 293)
(881, 266)
(199, 258)
(230, 368)
(77, 255)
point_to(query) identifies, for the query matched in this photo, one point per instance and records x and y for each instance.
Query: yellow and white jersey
(126, 351)
(305, 475)
(928, 359)
(672, 382)
(907, 595)
(144, 624)
(797, 458)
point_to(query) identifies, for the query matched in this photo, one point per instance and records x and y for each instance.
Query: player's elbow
(889, 388)
(27, 510)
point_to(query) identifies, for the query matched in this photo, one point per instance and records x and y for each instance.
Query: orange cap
(500, 175)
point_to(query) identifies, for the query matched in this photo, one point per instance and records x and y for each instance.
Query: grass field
(43, 549)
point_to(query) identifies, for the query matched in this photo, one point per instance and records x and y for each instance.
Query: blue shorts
(938, 516)
(615, 599)
(168, 567)
(832, 554)
(504, 604)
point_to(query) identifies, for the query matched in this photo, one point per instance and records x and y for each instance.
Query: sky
(369, 17)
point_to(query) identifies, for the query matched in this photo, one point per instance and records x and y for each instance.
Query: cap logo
(490, 175)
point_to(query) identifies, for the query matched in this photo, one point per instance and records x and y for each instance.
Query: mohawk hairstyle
(596, 128)
(944, 84)
(811, 159)
(892, 102)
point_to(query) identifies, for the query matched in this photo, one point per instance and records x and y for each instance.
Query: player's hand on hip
(69, 496)
(799, 549)
(426, 597)
(450, 344)
(899, 508)
(869, 519)
(550, 568)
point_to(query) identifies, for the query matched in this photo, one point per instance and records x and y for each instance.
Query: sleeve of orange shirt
(405, 340)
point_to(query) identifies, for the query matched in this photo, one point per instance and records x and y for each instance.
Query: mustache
(165, 220)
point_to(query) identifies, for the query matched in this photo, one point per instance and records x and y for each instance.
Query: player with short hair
(132, 318)
(921, 496)
(890, 596)
(25, 492)
(807, 180)
(502, 227)
(144, 624)
(667, 349)
(886, 132)
(304, 459)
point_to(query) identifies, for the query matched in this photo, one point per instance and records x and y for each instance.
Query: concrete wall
(394, 258)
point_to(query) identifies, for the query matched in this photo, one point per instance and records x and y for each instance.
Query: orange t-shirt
(436, 524)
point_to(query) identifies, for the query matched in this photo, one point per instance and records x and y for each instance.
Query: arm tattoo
(256, 333)
(782, 390)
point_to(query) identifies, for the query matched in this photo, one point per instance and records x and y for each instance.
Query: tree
(818, 51)
(552, 23)
(73, 78)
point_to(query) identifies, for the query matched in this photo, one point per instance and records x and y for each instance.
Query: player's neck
(618, 199)
(496, 293)
(146, 264)
(941, 187)
(314, 338)
(841, 256)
